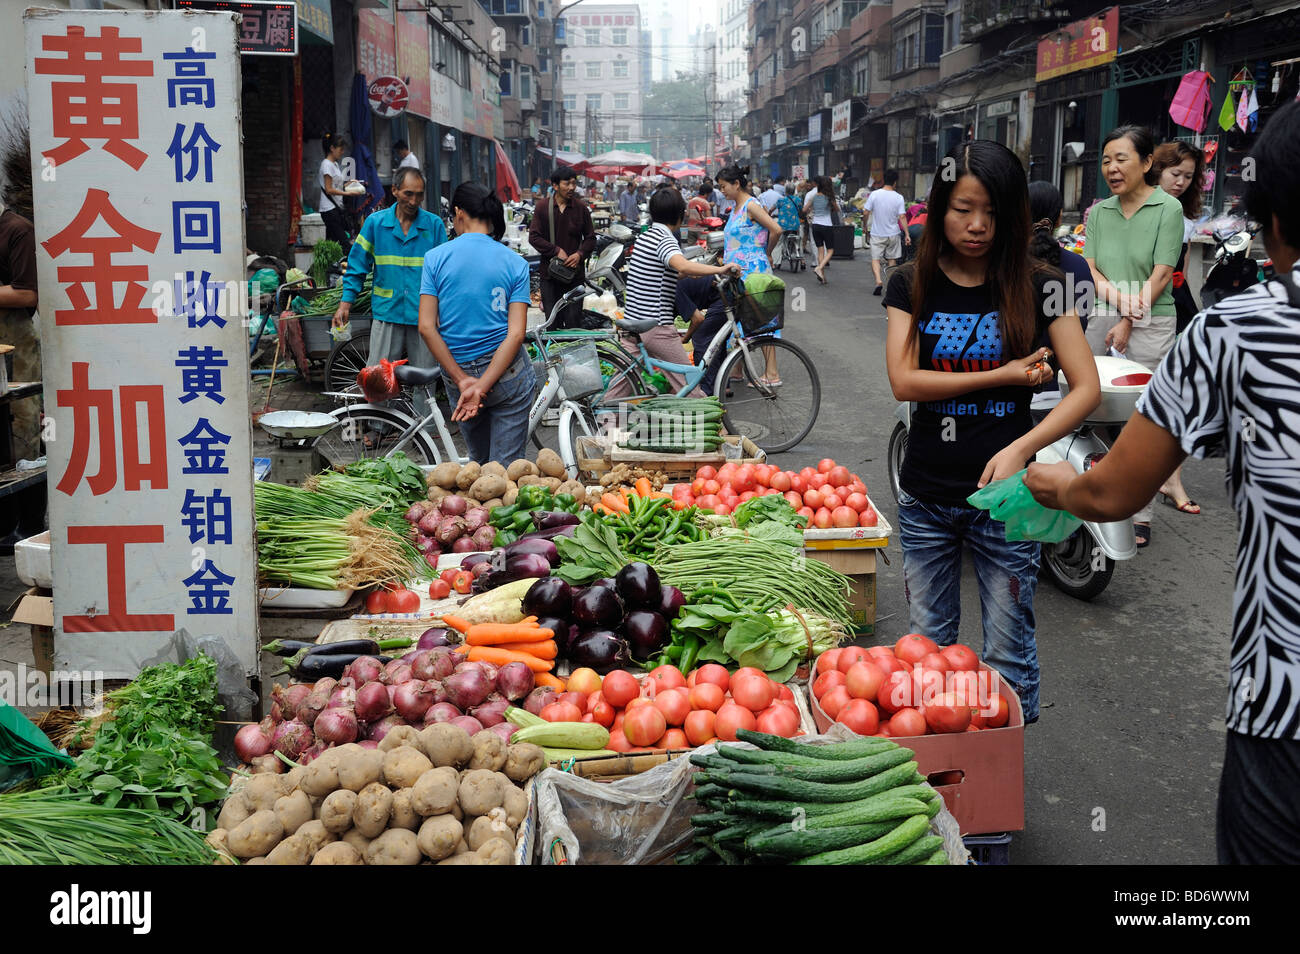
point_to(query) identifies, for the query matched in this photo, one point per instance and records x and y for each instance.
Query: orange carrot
(660, 495)
(456, 623)
(545, 679)
(500, 634)
(615, 503)
(542, 649)
(601, 508)
(499, 657)
(643, 487)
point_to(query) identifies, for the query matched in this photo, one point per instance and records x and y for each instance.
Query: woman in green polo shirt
(1133, 242)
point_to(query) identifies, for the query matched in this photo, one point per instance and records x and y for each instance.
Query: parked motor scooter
(1082, 565)
(608, 263)
(1234, 268)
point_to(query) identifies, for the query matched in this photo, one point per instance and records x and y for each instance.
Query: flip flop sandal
(1142, 532)
(1190, 506)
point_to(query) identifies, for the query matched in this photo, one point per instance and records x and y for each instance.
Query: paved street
(1134, 683)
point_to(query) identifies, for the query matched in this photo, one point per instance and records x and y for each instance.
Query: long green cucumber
(793, 789)
(897, 840)
(712, 820)
(837, 751)
(823, 771)
(940, 857)
(788, 843)
(765, 757)
(870, 809)
(747, 805)
(920, 850)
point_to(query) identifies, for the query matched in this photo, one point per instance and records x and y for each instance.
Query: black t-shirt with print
(950, 442)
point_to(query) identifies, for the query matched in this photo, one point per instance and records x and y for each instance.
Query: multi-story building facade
(732, 76)
(601, 72)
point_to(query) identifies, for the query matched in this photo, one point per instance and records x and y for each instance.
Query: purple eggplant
(541, 547)
(550, 519)
(639, 585)
(565, 531)
(518, 567)
(598, 607)
(671, 601)
(548, 597)
(647, 633)
(598, 649)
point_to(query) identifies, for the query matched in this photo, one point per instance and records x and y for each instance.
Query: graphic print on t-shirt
(966, 342)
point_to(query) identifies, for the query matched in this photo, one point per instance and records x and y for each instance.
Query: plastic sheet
(1010, 501)
(232, 686)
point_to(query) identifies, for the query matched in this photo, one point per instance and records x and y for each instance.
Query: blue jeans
(499, 431)
(932, 537)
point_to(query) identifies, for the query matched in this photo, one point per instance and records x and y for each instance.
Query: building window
(952, 25)
(546, 115)
(570, 102)
(507, 75)
(569, 70)
(525, 35)
(593, 37)
(620, 37)
(862, 75)
(621, 100)
(621, 134)
(543, 63)
(918, 43)
(525, 82)
(620, 67)
(541, 9)
(594, 100)
(593, 69)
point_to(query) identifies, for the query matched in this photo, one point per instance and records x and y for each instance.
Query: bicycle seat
(636, 327)
(416, 377)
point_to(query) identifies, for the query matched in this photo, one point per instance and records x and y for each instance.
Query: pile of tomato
(912, 688)
(666, 710)
(829, 495)
(392, 599)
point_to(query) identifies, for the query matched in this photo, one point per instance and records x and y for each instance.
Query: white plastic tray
(296, 597)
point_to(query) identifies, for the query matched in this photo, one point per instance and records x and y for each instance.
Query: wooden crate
(598, 455)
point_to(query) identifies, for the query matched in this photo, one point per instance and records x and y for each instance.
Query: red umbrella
(507, 182)
(685, 171)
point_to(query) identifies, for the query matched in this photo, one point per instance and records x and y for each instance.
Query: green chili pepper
(500, 516)
(522, 521)
(674, 653)
(690, 652)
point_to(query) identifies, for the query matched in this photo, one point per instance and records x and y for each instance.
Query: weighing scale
(293, 458)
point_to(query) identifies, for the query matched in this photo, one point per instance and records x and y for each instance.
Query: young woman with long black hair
(964, 322)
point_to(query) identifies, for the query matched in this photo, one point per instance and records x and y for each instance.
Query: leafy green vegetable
(397, 471)
(590, 554)
(323, 257)
(772, 507)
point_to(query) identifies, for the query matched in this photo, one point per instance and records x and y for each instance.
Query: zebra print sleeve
(1186, 393)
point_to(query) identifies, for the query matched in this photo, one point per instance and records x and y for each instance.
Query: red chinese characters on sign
(93, 108)
(115, 539)
(101, 273)
(1079, 46)
(413, 61)
(376, 48)
(83, 399)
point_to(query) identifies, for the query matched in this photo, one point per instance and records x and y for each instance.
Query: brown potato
(337, 853)
(293, 811)
(435, 792)
(358, 841)
(397, 846)
(468, 474)
(444, 476)
(496, 851)
(522, 468)
(487, 487)
(399, 736)
(262, 790)
(373, 809)
(360, 768)
(491, 825)
(480, 792)
(315, 833)
(516, 806)
(322, 774)
(493, 469)
(256, 835)
(549, 463)
(234, 811)
(336, 811)
(403, 765)
(294, 850)
(403, 813)
(489, 751)
(439, 836)
(523, 761)
(447, 744)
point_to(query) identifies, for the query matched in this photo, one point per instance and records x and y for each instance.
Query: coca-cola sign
(388, 96)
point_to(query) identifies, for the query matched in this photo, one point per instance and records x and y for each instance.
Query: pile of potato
(436, 796)
(496, 485)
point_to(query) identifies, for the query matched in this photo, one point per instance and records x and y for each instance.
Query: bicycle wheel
(616, 365)
(582, 424)
(367, 433)
(778, 417)
(345, 361)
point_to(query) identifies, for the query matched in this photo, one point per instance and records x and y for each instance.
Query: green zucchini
(836, 751)
(564, 735)
(793, 789)
(786, 843)
(873, 851)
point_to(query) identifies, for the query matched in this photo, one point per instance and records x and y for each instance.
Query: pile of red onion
(432, 683)
(452, 525)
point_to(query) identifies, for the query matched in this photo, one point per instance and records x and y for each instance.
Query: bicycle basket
(580, 370)
(757, 310)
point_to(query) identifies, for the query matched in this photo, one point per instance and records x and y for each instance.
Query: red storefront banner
(376, 46)
(1079, 46)
(413, 60)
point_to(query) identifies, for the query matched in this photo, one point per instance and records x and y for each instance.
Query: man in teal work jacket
(393, 243)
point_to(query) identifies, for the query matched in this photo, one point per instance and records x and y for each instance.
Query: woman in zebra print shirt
(1229, 388)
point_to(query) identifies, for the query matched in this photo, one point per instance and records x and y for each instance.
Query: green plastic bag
(1010, 501)
(25, 752)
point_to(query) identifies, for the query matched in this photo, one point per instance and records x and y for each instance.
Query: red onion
(290, 697)
(436, 690)
(515, 680)
(278, 732)
(422, 665)
(492, 712)
(450, 530)
(441, 712)
(276, 714)
(313, 753)
(326, 684)
(487, 668)
(267, 764)
(410, 657)
(429, 523)
(392, 693)
(431, 558)
(503, 729)
(372, 702)
(467, 689)
(311, 707)
(365, 669)
(380, 728)
(475, 518)
(342, 698)
(337, 726)
(453, 505)
(482, 568)
(267, 725)
(416, 511)
(368, 744)
(482, 538)
(444, 661)
(425, 543)
(251, 743)
(348, 682)
(539, 699)
(295, 740)
(464, 545)
(413, 700)
(432, 638)
(398, 674)
(469, 724)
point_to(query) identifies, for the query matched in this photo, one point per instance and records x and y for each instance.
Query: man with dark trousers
(571, 240)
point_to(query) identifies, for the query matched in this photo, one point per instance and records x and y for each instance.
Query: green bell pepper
(500, 516)
(565, 502)
(521, 522)
(504, 538)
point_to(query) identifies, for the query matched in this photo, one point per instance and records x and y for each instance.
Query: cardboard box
(981, 775)
(36, 609)
(859, 565)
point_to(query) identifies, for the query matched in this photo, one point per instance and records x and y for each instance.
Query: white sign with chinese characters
(840, 115)
(135, 140)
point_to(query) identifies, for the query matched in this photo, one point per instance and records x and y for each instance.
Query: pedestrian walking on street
(820, 205)
(627, 209)
(1132, 243)
(964, 322)
(331, 181)
(1236, 367)
(405, 158)
(562, 232)
(886, 215)
(751, 235)
(474, 297)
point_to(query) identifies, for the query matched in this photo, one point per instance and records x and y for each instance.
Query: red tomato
(860, 716)
(839, 477)
(798, 483)
(793, 499)
(927, 685)
(707, 502)
(960, 657)
(723, 509)
(832, 500)
(1001, 715)
(681, 490)
(711, 487)
(561, 712)
(377, 602)
(813, 498)
(891, 663)
(906, 723)
(783, 693)
(690, 679)
(730, 718)
(707, 472)
(403, 601)
(618, 741)
(619, 688)
(462, 581)
(914, 647)
(778, 720)
(825, 465)
(844, 517)
(744, 479)
(637, 703)
(857, 501)
(863, 681)
(807, 473)
(896, 692)
(439, 590)
(946, 715)
(884, 732)
(806, 513)
(618, 721)
(584, 680)
(667, 677)
(675, 704)
(834, 700)
(763, 474)
(674, 739)
(850, 655)
(449, 574)
(817, 481)
(725, 472)
(935, 661)
(747, 671)
(856, 486)
(587, 717)
(579, 699)
(696, 486)
(869, 518)
(603, 714)
(644, 725)
(828, 680)
(972, 727)
(747, 495)
(880, 650)
(712, 672)
(699, 726)
(827, 660)
(755, 693)
(780, 481)
(970, 686)
(707, 696)
(822, 519)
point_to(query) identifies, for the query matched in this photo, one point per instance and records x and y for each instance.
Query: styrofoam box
(32, 561)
